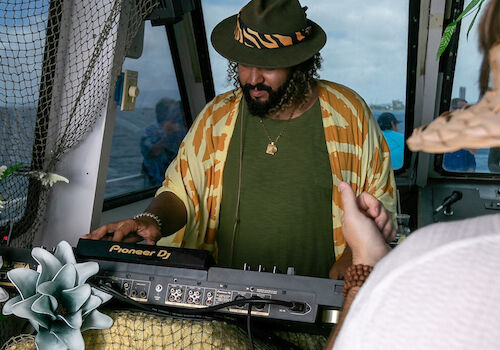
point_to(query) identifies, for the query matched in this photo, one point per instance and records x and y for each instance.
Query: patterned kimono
(357, 150)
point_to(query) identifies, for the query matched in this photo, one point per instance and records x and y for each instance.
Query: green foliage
(450, 28)
(10, 170)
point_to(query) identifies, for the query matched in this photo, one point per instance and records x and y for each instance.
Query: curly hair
(302, 79)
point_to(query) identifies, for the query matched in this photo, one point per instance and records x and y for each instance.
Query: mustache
(259, 86)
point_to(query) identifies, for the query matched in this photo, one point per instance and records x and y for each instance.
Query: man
(255, 180)
(162, 139)
(396, 141)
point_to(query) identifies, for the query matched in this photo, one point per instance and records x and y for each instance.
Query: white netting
(56, 70)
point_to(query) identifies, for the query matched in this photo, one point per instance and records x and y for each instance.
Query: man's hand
(129, 230)
(337, 272)
(373, 208)
(360, 231)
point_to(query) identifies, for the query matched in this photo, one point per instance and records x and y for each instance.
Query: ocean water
(125, 166)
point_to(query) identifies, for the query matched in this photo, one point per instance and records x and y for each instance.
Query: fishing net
(57, 64)
(137, 330)
(58, 60)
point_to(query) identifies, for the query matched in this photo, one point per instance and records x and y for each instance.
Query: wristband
(152, 216)
(355, 276)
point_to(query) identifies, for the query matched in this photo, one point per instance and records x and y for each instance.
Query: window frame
(447, 65)
(208, 87)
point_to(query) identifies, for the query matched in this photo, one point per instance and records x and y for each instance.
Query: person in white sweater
(440, 289)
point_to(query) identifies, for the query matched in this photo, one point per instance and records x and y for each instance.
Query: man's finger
(389, 232)
(348, 198)
(100, 232)
(118, 235)
(132, 238)
(369, 204)
(382, 220)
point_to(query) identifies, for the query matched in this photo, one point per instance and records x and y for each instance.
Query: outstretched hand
(129, 230)
(373, 208)
(360, 228)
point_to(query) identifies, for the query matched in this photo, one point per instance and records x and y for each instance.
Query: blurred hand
(360, 231)
(373, 208)
(337, 271)
(129, 230)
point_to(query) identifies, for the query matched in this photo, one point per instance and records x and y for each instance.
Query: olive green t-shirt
(285, 210)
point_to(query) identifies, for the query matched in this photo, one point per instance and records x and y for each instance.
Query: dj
(256, 178)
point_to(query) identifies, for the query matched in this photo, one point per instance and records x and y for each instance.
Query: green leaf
(450, 28)
(445, 40)
(474, 19)
(10, 170)
(469, 8)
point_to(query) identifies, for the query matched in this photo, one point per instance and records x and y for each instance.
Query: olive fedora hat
(268, 34)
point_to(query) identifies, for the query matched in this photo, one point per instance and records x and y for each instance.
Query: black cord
(249, 329)
(240, 302)
(198, 314)
(146, 308)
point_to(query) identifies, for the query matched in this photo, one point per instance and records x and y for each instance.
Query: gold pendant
(271, 148)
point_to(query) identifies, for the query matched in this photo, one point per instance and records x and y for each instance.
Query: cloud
(366, 47)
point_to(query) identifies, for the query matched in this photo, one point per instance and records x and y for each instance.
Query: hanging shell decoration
(56, 300)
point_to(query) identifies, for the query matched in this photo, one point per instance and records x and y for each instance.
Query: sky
(366, 46)
(468, 59)
(365, 49)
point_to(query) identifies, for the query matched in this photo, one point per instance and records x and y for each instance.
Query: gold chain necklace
(272, 147)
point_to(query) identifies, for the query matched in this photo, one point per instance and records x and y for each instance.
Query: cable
(200, 314)
(249, 330)
(240, 302)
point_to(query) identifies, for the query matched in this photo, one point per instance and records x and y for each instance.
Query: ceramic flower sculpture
(56, 300)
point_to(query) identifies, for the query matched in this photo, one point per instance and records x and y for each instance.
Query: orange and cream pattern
(251, 38)
(358, 153)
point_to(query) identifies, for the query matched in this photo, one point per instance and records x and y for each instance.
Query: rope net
(57, 64)
(137, 330)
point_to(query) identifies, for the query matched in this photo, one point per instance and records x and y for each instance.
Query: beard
(275, 100)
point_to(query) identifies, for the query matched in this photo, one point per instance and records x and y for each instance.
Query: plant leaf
(450, 28)
(445, 40)
(10, 170)
(474, 19)
(469, 8)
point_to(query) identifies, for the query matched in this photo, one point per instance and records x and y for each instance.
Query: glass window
(23, 27)
(466, 91)
(366, 50)
(147, 139)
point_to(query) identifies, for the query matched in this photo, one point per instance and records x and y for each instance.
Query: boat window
(366, 50)
(24, 107)
(147, 139)
(465, 90)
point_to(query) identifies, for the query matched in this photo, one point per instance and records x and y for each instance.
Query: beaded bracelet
(355, 276)
(152, 216)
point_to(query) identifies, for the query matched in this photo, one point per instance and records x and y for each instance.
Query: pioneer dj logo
(162, 253)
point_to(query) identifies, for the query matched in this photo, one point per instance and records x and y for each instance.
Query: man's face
(263, 88)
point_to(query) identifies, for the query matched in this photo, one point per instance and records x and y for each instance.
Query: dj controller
(186, 279)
